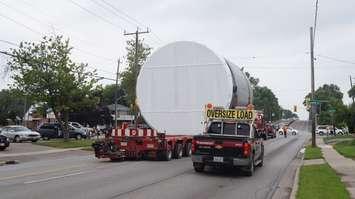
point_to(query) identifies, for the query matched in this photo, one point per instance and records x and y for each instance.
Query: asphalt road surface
(83, 176)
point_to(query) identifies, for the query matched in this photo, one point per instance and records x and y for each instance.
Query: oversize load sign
(230, 114)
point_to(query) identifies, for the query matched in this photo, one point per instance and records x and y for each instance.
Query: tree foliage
(45, 72)
(108, 95)
(13, 104)
(331, 99)
(351, 92)
(129, 76)
(265, 100)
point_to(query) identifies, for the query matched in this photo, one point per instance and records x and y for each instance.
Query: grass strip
(346, 148)
(319, 182)
(71, 143)
(313, 153)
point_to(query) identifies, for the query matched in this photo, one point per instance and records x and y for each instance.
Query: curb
(297, 178)
(296, 181)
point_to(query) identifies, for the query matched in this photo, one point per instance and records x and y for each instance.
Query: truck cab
(230, 143)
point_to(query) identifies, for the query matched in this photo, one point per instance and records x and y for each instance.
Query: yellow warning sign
(230, 114)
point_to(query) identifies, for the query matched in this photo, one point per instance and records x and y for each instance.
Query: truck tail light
(193, 146)
(246, 149)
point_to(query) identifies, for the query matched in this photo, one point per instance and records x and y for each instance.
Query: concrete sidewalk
(344, 167)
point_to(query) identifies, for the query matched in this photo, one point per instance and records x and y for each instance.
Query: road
(83, 176)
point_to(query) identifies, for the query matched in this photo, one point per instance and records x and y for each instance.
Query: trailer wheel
(187, 151)
(199, 167)
(166, 155)
(178, 151)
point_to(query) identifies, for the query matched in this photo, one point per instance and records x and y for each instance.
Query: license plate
(123, 143)
(150, 146)
(217, 159)
(2, 144)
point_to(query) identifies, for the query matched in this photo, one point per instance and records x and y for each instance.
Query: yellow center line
(39, 173)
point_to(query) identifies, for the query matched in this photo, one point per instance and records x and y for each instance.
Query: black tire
(251, 168)
(178, 152)
(17, 139)
(34, 140)
(199, 167)
(2, 148)
(78, 136)
(187, 151)
(167, 155)
(261, 163)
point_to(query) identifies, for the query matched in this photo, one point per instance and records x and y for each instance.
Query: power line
(96, 15)
(9, 42)
(336, 59)
(13, 44)
(20, 24)
(47, 23)
(129, 17)
(37, 32)
(123, 13)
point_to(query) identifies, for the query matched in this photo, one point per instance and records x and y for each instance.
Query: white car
(20, 133)
(292, 131)
(87, 130)
(322, 130)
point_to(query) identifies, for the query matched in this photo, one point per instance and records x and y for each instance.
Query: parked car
(322, 130)
(88, 130)
(4, 142)
(54, 130)
(20, 133)
(339, 131)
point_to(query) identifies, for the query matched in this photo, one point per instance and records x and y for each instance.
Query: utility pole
(136, 33)
(116, 90)
(313, 105)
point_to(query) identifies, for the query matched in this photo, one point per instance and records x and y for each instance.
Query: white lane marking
(54, 177)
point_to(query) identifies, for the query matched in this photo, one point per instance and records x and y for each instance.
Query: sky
(269, 38)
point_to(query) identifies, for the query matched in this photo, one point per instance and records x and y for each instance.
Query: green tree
(13, 104)
(45, 72)
(129, 76)
(351, 92)
(108, 95)
(288, 114)
(265, 100)
(331, 99)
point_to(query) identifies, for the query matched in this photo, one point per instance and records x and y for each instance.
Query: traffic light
(295, 108)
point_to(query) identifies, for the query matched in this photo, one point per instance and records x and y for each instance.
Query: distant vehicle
(4, 142)
(292, 131)
(54, 130)
(339, 131)
(270, 131)
(20, 133)
(78, 125)
(322, 130)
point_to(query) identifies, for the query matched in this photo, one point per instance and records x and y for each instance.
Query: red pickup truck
(232, 143)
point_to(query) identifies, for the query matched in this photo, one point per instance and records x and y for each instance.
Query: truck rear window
(243, 129)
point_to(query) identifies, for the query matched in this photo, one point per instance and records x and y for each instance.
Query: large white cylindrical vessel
(177, 81)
